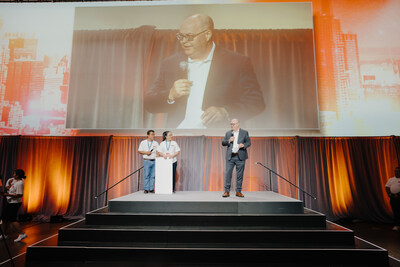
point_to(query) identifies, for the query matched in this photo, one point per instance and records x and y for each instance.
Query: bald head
(204, 22)
(196, 40)
(235, 124)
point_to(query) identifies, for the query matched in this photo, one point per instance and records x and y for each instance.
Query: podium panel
(163, 179)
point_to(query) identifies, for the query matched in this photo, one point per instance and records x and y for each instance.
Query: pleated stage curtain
(64, 174)
(109, 66)
(123, 160)
(8, 152)
(8, 156)
(348, 175)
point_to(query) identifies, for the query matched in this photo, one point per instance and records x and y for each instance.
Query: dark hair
(150, 131)
(20, 173)
(164, 135)
(397, 172)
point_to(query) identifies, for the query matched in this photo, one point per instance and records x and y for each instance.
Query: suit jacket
(231, 84)
(243, 138)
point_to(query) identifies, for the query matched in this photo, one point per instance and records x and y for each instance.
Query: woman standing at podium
(169, 149)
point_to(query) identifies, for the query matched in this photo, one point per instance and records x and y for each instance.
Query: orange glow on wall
(48, 166)
(340, 174)
(124, 159)
(215, 171)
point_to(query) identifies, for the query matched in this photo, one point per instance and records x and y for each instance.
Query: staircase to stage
(203, 229)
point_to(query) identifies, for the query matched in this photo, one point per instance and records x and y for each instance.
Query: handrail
(280, 176)
(105, 191)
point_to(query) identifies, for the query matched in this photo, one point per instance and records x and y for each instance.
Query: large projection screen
(322, 68)
(124, 59)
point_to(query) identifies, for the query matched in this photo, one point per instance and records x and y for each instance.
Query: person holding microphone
(237, 141)
(169, 149)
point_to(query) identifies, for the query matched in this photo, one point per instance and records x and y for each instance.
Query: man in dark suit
(237, 140)
(205, 85)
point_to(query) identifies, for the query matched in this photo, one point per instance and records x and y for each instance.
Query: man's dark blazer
(231, 84)
(243, 138)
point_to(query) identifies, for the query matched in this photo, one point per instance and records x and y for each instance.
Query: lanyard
(149, 146)
(168, 146)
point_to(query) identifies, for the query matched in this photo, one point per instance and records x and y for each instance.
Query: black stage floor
(36, 231)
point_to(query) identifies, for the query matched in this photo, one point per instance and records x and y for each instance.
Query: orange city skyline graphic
(352, 79)
(33, 92)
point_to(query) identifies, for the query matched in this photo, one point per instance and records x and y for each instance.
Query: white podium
(163, 179)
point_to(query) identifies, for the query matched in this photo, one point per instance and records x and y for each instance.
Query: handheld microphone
(231, 143)
(183, 66)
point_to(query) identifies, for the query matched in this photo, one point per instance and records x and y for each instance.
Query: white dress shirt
(197, 74)
(235, 147)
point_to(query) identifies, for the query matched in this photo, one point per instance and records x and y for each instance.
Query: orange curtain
(124, 160)
(346, 174)
(279, 154)
(62, 173)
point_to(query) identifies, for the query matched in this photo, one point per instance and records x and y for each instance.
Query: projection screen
(262, 70)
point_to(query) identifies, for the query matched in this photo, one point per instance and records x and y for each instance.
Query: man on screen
(205, 85)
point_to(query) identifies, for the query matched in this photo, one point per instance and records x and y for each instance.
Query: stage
(261, 202)
(193, 228)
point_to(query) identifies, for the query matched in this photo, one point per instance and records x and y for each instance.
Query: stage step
(308, 220)
(364, 254)
(159, 230)
(190, 236)
(195, 202)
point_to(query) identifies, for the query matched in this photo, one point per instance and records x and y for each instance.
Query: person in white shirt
(393, 190)
(148, 148)
(169, 149)
(15, 191)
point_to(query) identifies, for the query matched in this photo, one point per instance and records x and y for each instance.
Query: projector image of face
(196, 36)
(206, 84)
